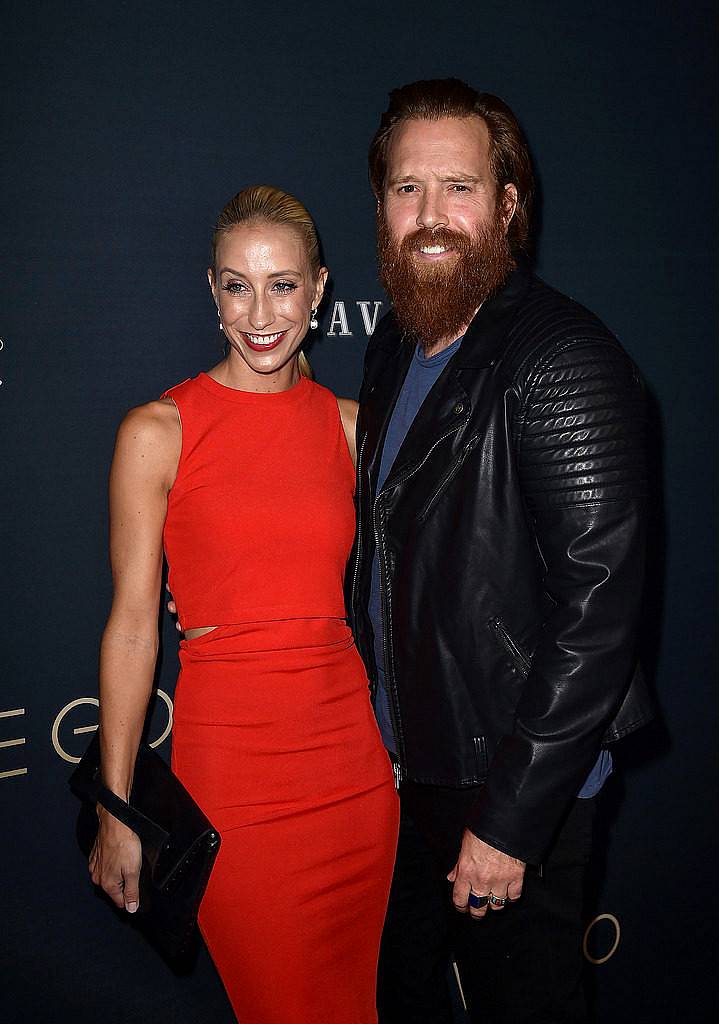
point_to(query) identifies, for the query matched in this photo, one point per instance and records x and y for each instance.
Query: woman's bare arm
(348, 412)
(143, 470)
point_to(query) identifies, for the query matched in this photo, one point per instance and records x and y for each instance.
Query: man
(496, 577)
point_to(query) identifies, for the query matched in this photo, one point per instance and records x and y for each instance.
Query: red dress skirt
(275, 738)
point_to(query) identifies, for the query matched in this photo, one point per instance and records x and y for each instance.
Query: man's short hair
(449, 97)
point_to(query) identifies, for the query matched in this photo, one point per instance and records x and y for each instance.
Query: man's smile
(434, 253)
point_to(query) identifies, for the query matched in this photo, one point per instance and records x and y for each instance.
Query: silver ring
(497, 901)
(476, 902)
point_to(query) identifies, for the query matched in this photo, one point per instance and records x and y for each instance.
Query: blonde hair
(269, 205)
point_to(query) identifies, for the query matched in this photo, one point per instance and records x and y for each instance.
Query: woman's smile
(263, 342)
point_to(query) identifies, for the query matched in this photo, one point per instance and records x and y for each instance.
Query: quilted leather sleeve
(582, 430)
(580, 445)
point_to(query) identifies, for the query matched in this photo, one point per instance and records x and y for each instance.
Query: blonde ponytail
(304, 365)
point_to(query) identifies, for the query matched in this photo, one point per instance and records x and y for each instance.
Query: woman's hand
(172, 607)
(115, 862)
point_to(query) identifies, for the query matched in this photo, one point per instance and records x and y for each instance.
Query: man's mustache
(436, 236)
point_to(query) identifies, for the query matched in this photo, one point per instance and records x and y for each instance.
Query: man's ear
(510, 199)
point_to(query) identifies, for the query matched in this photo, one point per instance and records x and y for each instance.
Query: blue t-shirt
(422, 374)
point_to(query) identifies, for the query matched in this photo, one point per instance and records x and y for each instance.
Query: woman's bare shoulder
(151, 433)
(156, 419)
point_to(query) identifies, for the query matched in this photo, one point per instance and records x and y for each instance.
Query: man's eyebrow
(401, 177)
(474, 178)
(461, 176)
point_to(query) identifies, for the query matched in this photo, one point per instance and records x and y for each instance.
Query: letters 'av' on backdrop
(129, 125)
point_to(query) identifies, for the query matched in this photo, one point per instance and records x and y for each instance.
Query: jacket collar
(487, 334)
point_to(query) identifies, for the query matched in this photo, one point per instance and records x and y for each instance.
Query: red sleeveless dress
(274, 734)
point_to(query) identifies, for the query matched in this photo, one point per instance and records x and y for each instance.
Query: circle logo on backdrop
(82, 729)
(608, 935)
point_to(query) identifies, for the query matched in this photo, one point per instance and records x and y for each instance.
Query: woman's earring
(219, 317)
(314, 323)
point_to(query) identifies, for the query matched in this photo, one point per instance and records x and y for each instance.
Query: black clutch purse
(179, 845)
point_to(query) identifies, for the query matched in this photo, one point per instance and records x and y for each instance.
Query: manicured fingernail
(131, 907)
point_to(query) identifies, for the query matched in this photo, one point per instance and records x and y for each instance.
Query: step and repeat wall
(128, 126)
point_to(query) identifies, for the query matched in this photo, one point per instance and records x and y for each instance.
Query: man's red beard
(437, 300)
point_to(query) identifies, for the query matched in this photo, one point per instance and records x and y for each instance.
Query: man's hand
(483, 870)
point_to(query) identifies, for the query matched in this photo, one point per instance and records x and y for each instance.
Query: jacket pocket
(480, 756)
(517, 655)
(447, 479)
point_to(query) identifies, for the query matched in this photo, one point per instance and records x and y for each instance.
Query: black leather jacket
(510, 533)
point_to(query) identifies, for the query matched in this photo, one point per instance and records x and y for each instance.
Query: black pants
(520, 964)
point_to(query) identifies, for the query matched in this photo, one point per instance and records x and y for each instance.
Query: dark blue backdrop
(128, 127)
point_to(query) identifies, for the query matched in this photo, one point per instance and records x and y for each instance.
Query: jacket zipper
(517, 656)
(385, 587)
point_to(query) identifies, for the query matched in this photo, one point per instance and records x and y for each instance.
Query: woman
(246, 473)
